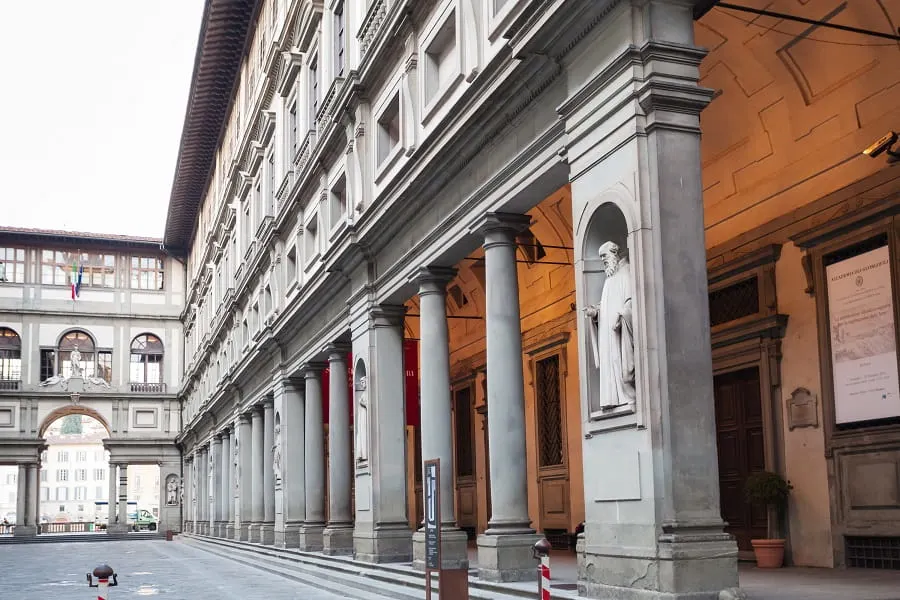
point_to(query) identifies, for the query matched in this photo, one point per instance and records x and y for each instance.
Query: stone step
(396, 581)
(56, 538)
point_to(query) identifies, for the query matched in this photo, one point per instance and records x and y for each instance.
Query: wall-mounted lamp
(883, 145)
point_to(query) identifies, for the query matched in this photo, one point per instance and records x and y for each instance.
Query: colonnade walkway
(400, 582)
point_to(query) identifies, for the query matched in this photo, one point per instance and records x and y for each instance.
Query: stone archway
(72, 409)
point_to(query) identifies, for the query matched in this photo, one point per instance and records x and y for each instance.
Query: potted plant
(768, 489)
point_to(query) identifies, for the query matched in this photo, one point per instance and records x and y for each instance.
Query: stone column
(505, 548)
(244, 481)
(215, 492)
(290, 490)
(381, 529)
(34, 497)
(653, 525)
(314, 523)
(122, 523)
(225, 488)
(202, 495)
(267, 531)
(111, 498)
(338, 535)
(21, 501)
(437, 416)
(187, 482)
(257, 441)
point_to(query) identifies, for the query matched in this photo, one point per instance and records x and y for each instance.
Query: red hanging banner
(411, 369)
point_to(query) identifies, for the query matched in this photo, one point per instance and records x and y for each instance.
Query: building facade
(603, 259)
(110, 349)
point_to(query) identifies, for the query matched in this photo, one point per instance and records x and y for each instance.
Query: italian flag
(77, 273)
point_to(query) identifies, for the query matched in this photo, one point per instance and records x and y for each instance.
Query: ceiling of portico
(796, 105)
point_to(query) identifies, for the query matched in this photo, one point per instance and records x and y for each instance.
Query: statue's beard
(611, 269)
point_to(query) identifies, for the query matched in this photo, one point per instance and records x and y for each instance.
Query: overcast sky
(93, 101)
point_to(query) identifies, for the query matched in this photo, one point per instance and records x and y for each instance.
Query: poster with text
(863, 338)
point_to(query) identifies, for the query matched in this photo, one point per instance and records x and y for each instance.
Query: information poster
(432, 514)
(863, 338)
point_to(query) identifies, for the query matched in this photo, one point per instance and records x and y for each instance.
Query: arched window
(146, 359)
(10, 357)
(84, 343)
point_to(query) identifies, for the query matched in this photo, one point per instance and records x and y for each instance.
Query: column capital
(337, 351)
(434, 279)
(506, 223)
(216, 438)
(388, 315)
(226, 429)
(268, 402)
(244, 418)
(313, 370)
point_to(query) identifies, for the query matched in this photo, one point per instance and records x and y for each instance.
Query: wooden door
(550, 436)
(486, 465)
(741, 449)
(466, 495)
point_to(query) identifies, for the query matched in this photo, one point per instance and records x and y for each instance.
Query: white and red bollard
(542, 552)
(103, 573)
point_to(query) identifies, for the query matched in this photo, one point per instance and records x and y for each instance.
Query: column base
(229, 531)
(242, 534)
(289, 537)
(253, 533)
(687, 566)
(311, 537)
(384, 544)
(267, 534)
(454, 549)
(337, 540)
(507, 557)
(118, 528)
(25, 531)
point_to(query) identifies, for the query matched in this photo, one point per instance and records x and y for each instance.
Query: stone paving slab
(145, 568)
(798, 583)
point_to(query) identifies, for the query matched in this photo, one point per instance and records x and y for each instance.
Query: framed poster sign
(863, 338)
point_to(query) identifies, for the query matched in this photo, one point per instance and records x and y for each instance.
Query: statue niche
(609, 319)
(361, 421)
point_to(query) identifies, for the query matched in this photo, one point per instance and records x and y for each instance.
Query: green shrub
(767, 489)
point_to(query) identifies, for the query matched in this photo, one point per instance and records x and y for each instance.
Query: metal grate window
(549, 411)
(733, 302)
(873, 552)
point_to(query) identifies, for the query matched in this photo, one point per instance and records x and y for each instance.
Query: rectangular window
(79, 493)
(80, 474)
(98, 455)
(12, 265)
(292, 130)
(313, 92)
(270, 193)
(338, 202)
(43, 475)
(465, 459)
(339, 42)
(99, 474)
(245, 227)
(290, 266)
(10, 479)
(549, 412)
(62, 456)
(146, 273)
(63, 268)
(441, 63)
(388, 134)
(62, 475)
(48, 364)
(45, 494)
(311, 239)
(81, 456)
(104, 366)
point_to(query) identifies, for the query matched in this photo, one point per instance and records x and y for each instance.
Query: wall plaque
(802, 409)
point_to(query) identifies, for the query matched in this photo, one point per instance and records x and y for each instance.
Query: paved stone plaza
(145, 568)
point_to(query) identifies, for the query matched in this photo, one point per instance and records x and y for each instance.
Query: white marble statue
(276, 453)
(361, 429)
(612, 332)
(237, 465)
(75, 362)
(172, 491)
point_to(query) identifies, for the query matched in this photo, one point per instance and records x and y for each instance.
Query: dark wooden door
(466, 492)
(741, 449)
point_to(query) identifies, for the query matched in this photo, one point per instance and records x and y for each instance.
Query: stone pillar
(122, 522)
(267, 530)
(228, 446)
(437, 416)
(111, 497)
(653, 524)
(244, 481)
(215, 491)
(505, 548)
(202, 494)
(381, 530)
(187, 482)
(314, 523)
(21, 501)
(290, 488)
(33, 518)
(225, 488)
(257, 441)
(338, 535)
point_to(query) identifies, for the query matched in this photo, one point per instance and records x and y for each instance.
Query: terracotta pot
(769, 553)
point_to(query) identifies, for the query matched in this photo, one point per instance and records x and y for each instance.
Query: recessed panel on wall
(145, 418)
(7, 416)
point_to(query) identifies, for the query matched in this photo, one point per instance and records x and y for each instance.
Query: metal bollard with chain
(541, 551)
(103, 574)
